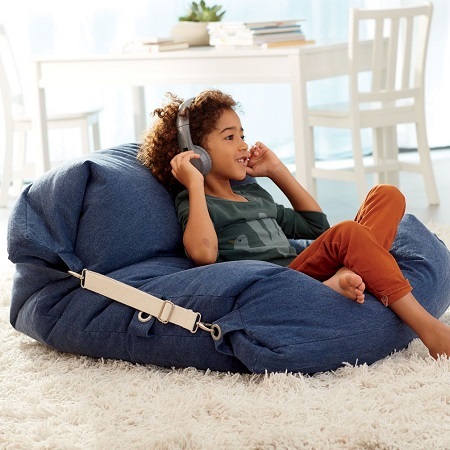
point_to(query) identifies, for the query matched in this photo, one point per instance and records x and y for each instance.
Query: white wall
(99, 26)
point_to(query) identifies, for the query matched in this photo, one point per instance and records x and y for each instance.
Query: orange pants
(363, 246)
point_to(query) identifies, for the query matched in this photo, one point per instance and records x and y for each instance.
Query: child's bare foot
(439, 342)
(433, 333)
(347, 283)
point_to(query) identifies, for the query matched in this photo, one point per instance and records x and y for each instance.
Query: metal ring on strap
(214, 329)
(144, 317)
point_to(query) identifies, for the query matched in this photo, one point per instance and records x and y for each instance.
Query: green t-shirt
(258, 229)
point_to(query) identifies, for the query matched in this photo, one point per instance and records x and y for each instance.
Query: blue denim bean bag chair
(105, 212)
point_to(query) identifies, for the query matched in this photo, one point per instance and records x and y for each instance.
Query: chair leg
(426, 164)
(42, 161)
(19, 175)
(96, 135)
(378, 153)
(311, 162)
(391, 154)
(385, 150)
(359, 169)
(84, 130)
(7, 170)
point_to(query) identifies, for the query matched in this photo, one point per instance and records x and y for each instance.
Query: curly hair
(160, 143)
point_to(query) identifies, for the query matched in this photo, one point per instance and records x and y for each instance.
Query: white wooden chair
(395, 96)
(17, 124)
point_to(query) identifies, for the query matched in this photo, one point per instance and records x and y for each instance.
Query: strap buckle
(168, 315)
(80, 276)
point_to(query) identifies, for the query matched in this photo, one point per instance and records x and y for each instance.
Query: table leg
(140, 122)
(39, 122)
(302, 136)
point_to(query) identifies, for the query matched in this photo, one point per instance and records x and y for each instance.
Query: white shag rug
(50, 400)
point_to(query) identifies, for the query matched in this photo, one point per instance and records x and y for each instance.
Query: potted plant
(192, 27)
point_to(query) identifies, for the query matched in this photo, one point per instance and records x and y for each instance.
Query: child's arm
(265, 163)
(199, 238)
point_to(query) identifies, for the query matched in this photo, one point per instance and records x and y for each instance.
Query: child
(222, 222)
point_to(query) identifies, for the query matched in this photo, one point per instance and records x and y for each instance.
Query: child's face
(227, 148)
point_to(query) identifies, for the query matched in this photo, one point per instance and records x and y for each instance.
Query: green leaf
(199, 12)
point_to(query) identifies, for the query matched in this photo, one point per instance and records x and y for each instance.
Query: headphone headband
(182, 118)
(203, 164)
(184, 134)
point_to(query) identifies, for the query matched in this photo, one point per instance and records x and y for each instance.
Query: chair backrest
(10, 85)
(398, 54)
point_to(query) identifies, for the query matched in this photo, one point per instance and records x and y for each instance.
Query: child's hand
(263, 161)
(184, 171)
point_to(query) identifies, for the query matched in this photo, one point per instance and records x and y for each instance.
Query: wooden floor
(339, 199)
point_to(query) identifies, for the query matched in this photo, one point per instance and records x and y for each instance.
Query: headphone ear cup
(204, 163)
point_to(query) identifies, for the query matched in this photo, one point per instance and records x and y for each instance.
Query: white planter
(194, 33)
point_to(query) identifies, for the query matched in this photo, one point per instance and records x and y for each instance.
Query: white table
(203, 65)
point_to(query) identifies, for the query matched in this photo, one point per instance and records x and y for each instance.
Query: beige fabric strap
(164, 310)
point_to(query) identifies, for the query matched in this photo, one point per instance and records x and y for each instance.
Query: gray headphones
(204, 163)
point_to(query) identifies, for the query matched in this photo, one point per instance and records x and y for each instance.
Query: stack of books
(154, 44)
(272, 33)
